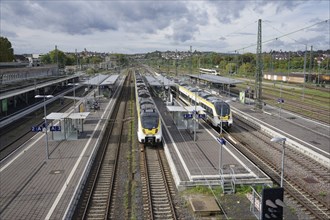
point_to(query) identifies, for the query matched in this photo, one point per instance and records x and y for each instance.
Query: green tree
(297, 63)
(247, 58)
(45, 59)
(230, 68)
(247, 69)
(123, 61)
(53, 57)
(6, 51)
(223, 65)
(59, 57)
(70, 60)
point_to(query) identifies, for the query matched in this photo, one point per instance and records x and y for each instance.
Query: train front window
(149, 120)
(225, 108)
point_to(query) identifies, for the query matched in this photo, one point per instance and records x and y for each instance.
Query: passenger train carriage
(216, 110)
(149, 123)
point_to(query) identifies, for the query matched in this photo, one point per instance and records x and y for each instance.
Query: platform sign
(55, 128)
(201, 116)
(221, 141)
(272, 204)
(187, 116)
(36, 128)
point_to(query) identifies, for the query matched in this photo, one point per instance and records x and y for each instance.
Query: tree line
(245, 64)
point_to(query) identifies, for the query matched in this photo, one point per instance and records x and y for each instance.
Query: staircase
(228, 183)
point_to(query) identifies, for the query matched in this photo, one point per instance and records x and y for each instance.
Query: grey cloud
(318, 41)
(71, 17)
(86, 17)
(8, 34)
(242, 34)
(279, 5)
(185, 27)
(151, 17)
(227, 11)
(322, 26)
(183, 31)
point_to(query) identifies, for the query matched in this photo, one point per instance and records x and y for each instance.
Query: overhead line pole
(259, 67)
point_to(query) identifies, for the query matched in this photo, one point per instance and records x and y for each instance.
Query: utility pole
(176, 62)
(76, 61)
(259, 64)
(56, 58)
(303, 91)
(195, 112)
(310, 65)
(288, 66)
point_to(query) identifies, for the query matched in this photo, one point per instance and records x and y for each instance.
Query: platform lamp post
(281, 140)
(45, 115)
(195, 114)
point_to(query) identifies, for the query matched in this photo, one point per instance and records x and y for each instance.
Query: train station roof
(165, 80)
(177, 108)
(96, 80)
(110, 80)
(216, 79)
(152, 81)
(159, 81)
(61, 115)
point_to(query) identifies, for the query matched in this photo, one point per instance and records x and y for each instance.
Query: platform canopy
(152, 81)
(216, 79)
(56, 116)
(96, 80)
(61, 116)
(165, 81)
(79, 115)
(110, 80)
(192, 108)
(159, 81)
(178, 108)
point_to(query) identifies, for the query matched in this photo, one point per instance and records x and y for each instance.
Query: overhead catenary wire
(284, 35)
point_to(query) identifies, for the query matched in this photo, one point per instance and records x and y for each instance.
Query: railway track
(157, 188)
(312, 106)
(96, 201)
(302, 107)
(303, 179)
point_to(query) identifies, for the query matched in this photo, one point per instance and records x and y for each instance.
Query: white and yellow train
(149, 123)
(217, 111)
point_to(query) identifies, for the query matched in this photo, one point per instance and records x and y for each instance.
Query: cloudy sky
(137, 26)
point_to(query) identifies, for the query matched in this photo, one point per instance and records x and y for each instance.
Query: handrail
(233, 178)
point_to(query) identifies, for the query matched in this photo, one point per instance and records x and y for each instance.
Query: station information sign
(36, 128)
(55, 128)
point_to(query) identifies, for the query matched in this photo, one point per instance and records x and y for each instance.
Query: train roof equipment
(146, 101)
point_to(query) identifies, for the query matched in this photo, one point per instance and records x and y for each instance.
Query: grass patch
(243, 189)
(323, 194)
(204, 190)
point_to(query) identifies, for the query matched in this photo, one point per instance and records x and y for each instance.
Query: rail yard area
(75, 153)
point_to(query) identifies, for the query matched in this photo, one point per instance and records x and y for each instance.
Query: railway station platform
(198, 163)
(307, 136)
(33, 186)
